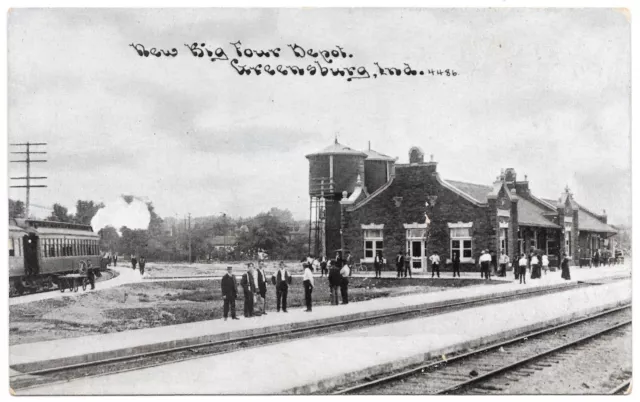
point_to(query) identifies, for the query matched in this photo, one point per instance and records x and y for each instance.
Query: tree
(134, 241)
(109, 239)
(267, 232)
(60, 214)
(16, 209)
(156, 228)
(85, 211)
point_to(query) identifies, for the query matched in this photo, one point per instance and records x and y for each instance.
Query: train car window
(20, 247)
(75, 247)
(43, 246)
(12, 250)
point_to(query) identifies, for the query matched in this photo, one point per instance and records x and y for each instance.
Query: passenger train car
(40, 251)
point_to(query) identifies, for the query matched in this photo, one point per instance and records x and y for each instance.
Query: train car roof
(36, 224)
(53, 228)
(65, 232)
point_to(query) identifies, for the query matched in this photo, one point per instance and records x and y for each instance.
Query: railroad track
(469, 373)
(156, 358)
(622, 388)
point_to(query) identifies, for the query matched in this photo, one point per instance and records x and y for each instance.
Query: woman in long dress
(565, 267)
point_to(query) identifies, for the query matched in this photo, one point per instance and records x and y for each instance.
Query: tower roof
(338, 149)
(377, 156)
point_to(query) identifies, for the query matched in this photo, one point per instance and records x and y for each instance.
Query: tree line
(275, 232)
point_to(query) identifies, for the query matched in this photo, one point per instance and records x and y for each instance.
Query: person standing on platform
(134, 261)
(545, 263)
(249, 289)
(323, 266)
(307, 282)
(335, 279)
(504, 260)
(315, 265)
(596, 258)
(115, 259)
(262, 286)
(377, 264)
(229, 288)
(535, 267)
(516, 267)
(349, 261)
(485, 262)
(522, 269)
(283, 280)
(456, 264)
(142, 263)
(565, 267)
(407, 265)
(344, 283)
(435, 264)
(400, 264)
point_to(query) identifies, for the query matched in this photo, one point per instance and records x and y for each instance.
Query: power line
(28, 152)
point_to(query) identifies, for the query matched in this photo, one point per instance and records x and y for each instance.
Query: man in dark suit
(377, 264)
(400, 264)
(282, 280)
(407, 265)
(229, 294)
(248, 283)
(262, 286)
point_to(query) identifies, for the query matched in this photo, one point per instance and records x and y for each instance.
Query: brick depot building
(365, 202)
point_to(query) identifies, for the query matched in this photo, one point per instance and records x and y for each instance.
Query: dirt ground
(154, 304)
(169, 270)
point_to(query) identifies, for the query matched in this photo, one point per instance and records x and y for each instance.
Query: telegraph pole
(189, 237)
(28, 177)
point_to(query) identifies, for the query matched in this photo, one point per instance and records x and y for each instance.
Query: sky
(546, 92)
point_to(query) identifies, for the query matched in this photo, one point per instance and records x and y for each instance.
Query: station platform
(321, 363)
(62, 352)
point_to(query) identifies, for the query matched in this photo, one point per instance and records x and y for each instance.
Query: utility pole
(189, 237)
(28, 177)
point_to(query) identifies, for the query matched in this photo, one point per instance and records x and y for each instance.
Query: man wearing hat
(229, 294)
(485, 261)
(282, 280)
(249, 287)
(262, 286)
(400, 264)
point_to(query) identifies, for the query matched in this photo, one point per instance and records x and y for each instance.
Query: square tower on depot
(367, 203)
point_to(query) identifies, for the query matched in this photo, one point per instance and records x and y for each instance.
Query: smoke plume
(126, 211)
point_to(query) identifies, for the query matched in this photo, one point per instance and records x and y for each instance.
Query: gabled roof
(529, 214)
(338, 149)
(377, 156)
(587, 222)
(478, 192)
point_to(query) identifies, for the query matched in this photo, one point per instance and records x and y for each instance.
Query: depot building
(365, 202)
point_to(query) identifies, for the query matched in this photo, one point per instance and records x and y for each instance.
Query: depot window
(373, 243)
(461, 243)
(12, 249)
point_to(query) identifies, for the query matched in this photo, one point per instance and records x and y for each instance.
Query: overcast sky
(544, 91)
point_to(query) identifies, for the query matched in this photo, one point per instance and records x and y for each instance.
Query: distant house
(223, 242)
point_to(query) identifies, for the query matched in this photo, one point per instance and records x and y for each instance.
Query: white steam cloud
(134, 215)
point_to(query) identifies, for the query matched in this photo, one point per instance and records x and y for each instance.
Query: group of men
(138, 261)
(255, 284)
(254, 287)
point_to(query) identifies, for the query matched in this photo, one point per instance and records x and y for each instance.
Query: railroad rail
(463, 372)
(622, 388)
(182, 353)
